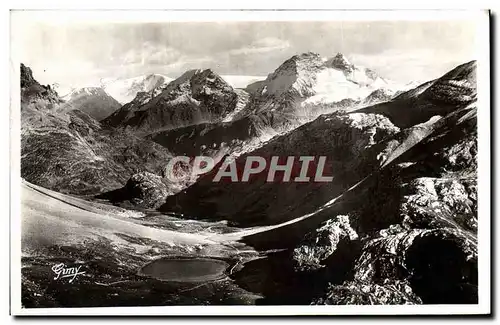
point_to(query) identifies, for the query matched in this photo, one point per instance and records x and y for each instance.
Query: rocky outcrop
(146, 190)
(317, 246)
(35, 95)
(27, 79)
(437, 263)
(438, 202)
(388, 255)
(411, 266)
(389, 292)
(459, 157)
(366, 130)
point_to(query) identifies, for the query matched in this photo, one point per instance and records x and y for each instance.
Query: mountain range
(396, 225)
(67, 150)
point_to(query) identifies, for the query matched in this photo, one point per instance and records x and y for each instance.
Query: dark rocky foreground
(397, 225)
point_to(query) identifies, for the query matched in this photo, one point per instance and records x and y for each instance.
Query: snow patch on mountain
(85, 91)
(340, 79)
(308, 79)
(237, 81)
(332, 86)
(125, 90)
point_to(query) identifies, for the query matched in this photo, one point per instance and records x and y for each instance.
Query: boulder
(358, 293)
(146, 190)
(318, 245)
(440, 265)
(446, 202)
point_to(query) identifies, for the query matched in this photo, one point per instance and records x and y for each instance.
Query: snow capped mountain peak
(125, 90)
(208, 76)
(295, 74)
(195, 81)
(318, 80)
(304, 61)
(355, 73)
(379, 95)
(89, 91)
(308, 80)
(84, 91)
(94, 101)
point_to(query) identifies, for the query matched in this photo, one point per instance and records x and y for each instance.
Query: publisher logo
(62, 271)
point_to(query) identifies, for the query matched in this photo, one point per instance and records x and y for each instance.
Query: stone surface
(356, 293)
(147, 190)
(317, 246)
(435, 201)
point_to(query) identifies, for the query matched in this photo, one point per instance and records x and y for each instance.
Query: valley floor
(116, 248)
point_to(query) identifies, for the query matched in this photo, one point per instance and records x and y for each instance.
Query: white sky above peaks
(81, 54)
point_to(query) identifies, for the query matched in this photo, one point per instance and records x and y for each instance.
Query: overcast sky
(81, 54)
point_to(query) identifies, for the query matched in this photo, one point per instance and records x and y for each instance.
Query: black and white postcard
(250, 162)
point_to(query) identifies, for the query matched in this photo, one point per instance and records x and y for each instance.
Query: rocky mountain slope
(398, 222)
(35, 96)
(436, 97)
(67, 150)
(350, 141)
(94, 101)
(297, 92)
(225, 138)
(199, 113)
(198, 96)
